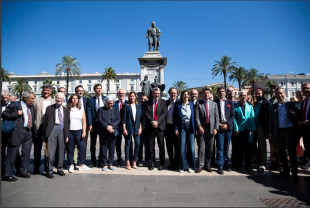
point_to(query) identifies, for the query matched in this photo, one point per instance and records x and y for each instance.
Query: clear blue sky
(272, 36)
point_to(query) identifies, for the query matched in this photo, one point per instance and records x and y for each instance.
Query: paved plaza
(144, 188)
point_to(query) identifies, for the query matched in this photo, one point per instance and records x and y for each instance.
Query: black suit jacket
(10, 113)
(263, 115)
(104, 121)
(91, 110)
(49, 121)
(161, 114)
(229, 112)
(301, 111)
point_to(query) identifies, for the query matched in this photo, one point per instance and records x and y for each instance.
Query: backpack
(7, 126)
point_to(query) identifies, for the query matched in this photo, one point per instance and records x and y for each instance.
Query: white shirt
(100, 103)
(56, 114)
(170, 112)
(46, 103)
(64, 103)
(81, 103)
(154, 107)
(4, 106)
(119, 104)
(76, 117)
(222, 105)
(25, 112)
(134, 110)
(194, 102)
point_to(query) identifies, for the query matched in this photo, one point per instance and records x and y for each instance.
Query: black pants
(93, 141)
(4, 147)
(37, 146)
(161, 145)
(26, 142)
(233, 150)
(306, 139)
(144, 141)
(107, 142)
(172, 143)
(243, 144)
(118, 146)
(286, 141)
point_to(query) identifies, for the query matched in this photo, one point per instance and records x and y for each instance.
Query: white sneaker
(261, 168)
(181, 171)
(71, 169)
(84, 167)
(190, 170)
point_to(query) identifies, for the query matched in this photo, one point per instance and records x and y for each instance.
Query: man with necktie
(24, 115)
(93, 105)
(55, 134)
(207, 122)
(155, 113)
(304, 120)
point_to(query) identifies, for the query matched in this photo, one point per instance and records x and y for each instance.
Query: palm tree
(86, 94)
(268, 84)
(180, 85)
(214, 91)
(5, 77)
(238, 74)
(252, 76)
(48, 81)
(69, 66)
(20, 86)
(223, 66)
(109, 75)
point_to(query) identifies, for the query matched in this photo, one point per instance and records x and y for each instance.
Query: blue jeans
(222, 146)
(128, 144)
(75, 136)
(189, 138)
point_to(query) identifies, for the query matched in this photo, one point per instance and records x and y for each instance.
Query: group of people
(62, 126)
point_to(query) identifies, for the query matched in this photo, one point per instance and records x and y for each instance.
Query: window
(89, 81)
(293, 94)
(58, 89)
(131, 88)
(117, 88)
(282, 84)
(80, 81)
(117, 81)
(99, 81)
(9, 82)
(57, 82)
(9, 89)
(292, 84)
(35, 82)
(89, 88)
(132, 81)
(34, 89)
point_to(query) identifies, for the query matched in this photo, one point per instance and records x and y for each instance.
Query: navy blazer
(91, 110)
(301, 111)
(229, 112)
(104, 121)
(177, 117)
(115, 105)
(131, 126)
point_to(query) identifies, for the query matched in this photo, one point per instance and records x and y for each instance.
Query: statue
(153, 33)
(158, 85)
(146, 86)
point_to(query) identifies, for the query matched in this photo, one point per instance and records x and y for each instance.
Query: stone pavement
(144, 188)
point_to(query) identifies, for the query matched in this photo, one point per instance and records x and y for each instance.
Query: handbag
(7, 126)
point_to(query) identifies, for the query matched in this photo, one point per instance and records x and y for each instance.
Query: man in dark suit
(120, 105)
(170, 136)
(22, 135)
(261, 110)
(304, 120)
(194, 96)
(155, 113)
(281, 129)
(79, 90)
(55, 134)
(93, 105)
(207, 122)
(144, 140)
(226, 124)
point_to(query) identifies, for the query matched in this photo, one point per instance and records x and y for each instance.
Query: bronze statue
(158, 85)
(146, 86)
(153, 33)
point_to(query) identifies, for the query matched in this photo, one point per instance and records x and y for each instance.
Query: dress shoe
(199, 170)
(49, 175)
(10, 178)
(170, 167)
(296, 177)
(119, 164)
(226, 168)
(36, 171)
(284, 174)
(208, 168)
(305, 167)
(61, 173)
(160, 168)
(27, 175)
(151, 167)
(220, 171)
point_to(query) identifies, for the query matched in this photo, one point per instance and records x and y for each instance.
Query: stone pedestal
(153, 64)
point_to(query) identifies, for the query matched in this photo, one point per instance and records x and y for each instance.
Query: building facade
(127, 81)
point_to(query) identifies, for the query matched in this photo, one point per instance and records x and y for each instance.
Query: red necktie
(29, 118)
(121, 110)
(305, 110)
(207, 113)
(155, 111)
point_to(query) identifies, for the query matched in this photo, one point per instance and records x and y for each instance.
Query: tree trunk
(224, 79)
(67, 85)
(239, 86)
(253, 83)
(108, 81)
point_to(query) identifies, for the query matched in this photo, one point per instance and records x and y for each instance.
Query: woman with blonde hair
(250, 99)
(132, 127)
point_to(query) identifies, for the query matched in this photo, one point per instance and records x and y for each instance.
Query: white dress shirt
(25, 113)
(4, 106)
(170, 112)
(100, 103)
(56, 114)
(46, 103)
(81, 103)
(134, 110)
(222, 105)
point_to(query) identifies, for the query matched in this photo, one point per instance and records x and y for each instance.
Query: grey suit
(206, 141)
